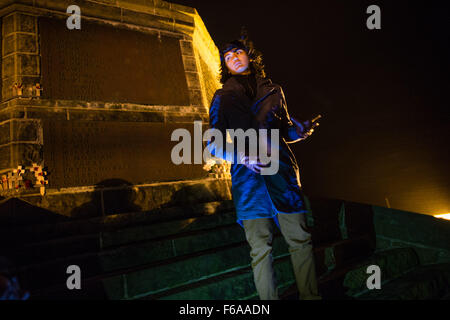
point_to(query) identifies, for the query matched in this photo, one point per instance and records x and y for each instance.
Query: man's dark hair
(255, 57)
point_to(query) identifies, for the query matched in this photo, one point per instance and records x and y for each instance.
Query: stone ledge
(80, 110)
(426, 254)
(88, 202)
(94, 105)
(410, 227)
(144, 14)
(144, 5)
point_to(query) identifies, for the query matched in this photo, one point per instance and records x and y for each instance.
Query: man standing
(249, 100)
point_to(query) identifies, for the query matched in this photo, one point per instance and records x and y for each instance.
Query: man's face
(237, 61)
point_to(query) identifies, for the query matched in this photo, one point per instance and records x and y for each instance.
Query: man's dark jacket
(255, 195)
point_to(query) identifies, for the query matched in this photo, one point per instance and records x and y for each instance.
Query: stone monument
(86, 114)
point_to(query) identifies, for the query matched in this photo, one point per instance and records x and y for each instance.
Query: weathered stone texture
(27, 59)
(210, 81)
(4, 133)
(9, 44)
(7, 25)
(193, 80)
(8, 113)
(187, 48)
(26, 130)
(189, 64)
(26, 23)
(195, 96)
(147, 20)
(150, 70)
(28, 64)
(25, 154)
(20, 55)
(8, 66)
(46, 113)
(104, 200)
(26, 43)
(412, 227)
(5, 157)
(392, 263)
(424, 283)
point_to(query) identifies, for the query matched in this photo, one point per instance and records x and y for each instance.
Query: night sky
(383, 93)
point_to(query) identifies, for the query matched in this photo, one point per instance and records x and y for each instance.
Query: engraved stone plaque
(104, 63)
(80, 153)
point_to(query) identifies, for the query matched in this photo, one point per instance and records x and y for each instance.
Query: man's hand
(306, 128)
(253, 163)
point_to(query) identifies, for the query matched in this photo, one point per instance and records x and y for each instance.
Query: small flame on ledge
(443, 216)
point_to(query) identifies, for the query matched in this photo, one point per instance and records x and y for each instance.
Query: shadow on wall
(118, 196)
(111, 196)
(192, 194)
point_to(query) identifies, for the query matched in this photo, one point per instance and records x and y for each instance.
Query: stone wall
(365, 229)
(111, 64)
(20, 54)
(147, 17)
(429, 236)
(38, 97)
(115, 198)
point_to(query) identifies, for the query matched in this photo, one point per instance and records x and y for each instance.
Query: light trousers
(259, 234)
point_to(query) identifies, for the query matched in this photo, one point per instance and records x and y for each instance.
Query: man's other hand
(253, 163)
(306, 128)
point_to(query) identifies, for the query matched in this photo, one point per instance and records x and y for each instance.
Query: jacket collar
(263, 86)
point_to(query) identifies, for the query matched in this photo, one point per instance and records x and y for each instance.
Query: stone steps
(137, 252)
(129, 254)
(402, 278)
(233, 285)
(158, 276)
(430, 282)
(238, 284)
(186, 273)
(399, 267)
(393, 263)
(195, 252)
(151, 260)
(118, 236)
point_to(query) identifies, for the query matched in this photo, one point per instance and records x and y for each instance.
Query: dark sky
(383, 93)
